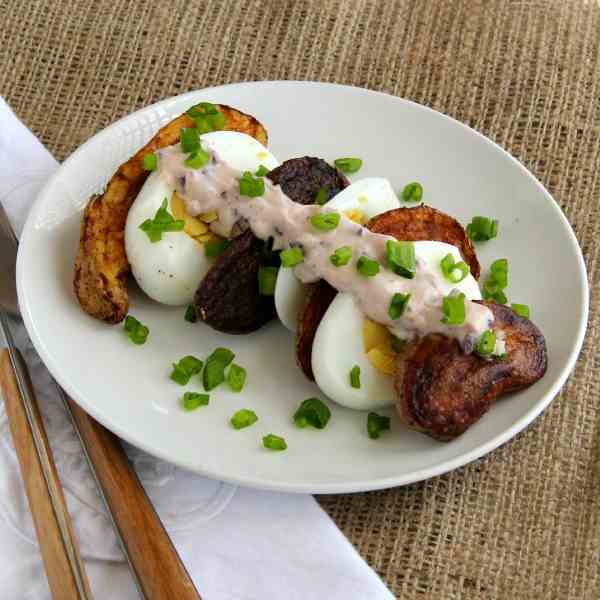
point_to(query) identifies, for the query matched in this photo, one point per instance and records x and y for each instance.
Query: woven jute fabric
(524, 522)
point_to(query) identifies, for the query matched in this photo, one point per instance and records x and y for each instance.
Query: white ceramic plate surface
(126, 387)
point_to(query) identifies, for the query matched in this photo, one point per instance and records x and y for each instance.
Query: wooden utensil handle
(64, 569)
(159, 570)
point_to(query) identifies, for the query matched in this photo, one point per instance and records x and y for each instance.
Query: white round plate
(127, 388)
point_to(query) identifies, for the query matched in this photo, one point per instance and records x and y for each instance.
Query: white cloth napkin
(237, 544)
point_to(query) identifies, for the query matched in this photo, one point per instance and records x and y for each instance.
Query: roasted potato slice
(416, 224)
(442, 391)
(101, 266)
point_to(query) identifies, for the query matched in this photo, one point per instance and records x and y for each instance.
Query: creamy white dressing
(215, 187)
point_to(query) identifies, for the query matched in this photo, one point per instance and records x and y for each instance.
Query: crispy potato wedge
(101, 266)
(416, 224)
(442, 391)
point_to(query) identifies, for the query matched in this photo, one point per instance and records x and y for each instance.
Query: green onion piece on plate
(216, 247)
(136, 332)
(261, 171)
(267, 277)
(325, 221)
(150, 162)
(185, 369)
(291, 257)
(243, 418)
(190, 141)
(274, 442)
(236, 377)
(376, 424)
(521, 309)
(190, 314)
(355, 377)
(453, 271)
(197, 159)
(482, 229)
(162, 222)
(398, 305)
(251, 186)
(412, 192)
(401, 258)
(193, 400)
(348, 165)
(486, 343)
(322, 196)
(367, 267)
(454, 309)
(312, 412)
(341, 256)
(214, 370)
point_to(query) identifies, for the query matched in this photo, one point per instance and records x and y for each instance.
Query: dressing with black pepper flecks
(216, 188)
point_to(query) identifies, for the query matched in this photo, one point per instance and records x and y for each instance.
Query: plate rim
(333, 487)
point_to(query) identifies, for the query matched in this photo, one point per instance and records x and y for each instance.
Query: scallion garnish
(261, 171)
(341, 256)
(190, 140)
(367, 267)
(136, 332)
(482, 229)
(355, 377)
(207, 117)
(243, 418)
(496, 282)
(453, 271)
(412, 192)
(454, 309)
(348, 165)
(325, 221)
(190, 314)
(521, 309)
(376, 424)
(322, 196)
(150, 162)
(291, 257)
(398, 305)
(216, 247)
(486, 343)
(197, 159)
(162, 222)
(274, 442)
(214, 370)
(193, 400)
(401, 258)
(185, 369)
(251, 186)
(236, 377)
(267, 277)
(312, 412)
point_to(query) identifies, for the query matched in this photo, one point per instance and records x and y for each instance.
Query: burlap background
(523, 523)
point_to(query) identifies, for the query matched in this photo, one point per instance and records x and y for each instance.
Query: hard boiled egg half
(360, 202)
(171, 270)
(345, 339)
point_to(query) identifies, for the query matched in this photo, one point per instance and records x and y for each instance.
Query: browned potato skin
(101, 266)
(419, 223)
(442, 391)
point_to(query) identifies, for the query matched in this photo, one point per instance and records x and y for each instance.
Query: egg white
(338, 343)
(373, 196)
(170, 271)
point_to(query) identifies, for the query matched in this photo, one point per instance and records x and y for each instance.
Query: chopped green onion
(348, 165)
(185, 368)
(190, 314)
(190, 141)
(193, 400)
(497, 296)
(197, 159)
(207, 117)
(496, 282)
(291, 257)
(325, 221)
(397, 343)
(162, 222)
(499, 270)
(150, 162)
(250, 186)
(401, 258)
(482, 229)
(398, 305)
(376, 424)
(367, 267)
(454, 309)
(216, 247)
(312, 412)
(267, 277)
(261, 171)
(453, 271)
(341, 256)
(355, 377)
(243, 418)
(136, 332)
(236, 377)
(274, 442)
(214, 371)
(412, 192)
(521, 309)
(486, 343)
(322, 196)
